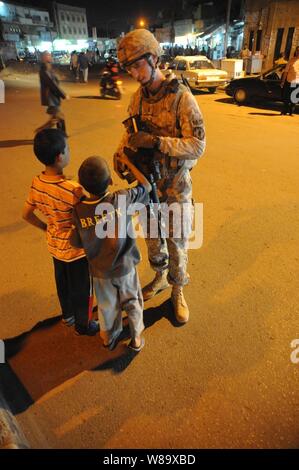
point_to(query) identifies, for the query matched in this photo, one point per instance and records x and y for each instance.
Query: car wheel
(240, 96)
(212, 89)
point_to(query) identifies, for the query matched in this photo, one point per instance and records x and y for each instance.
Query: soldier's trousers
(170, 251)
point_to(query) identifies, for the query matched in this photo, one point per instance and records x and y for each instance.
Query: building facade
(205, 28)
(194, 34)
(70, 21)
(271, 27)
(25, 26)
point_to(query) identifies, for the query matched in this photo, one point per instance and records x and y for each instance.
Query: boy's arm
(75, 239)
(138, 175)
(29, 216)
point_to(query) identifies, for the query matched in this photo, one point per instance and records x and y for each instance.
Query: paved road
(223, 380)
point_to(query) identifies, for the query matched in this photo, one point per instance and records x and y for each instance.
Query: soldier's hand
(142, 139)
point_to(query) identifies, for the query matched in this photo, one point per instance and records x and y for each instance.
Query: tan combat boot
(158, 284)
(179, 303)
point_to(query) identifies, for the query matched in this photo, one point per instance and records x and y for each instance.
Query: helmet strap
(153, 66)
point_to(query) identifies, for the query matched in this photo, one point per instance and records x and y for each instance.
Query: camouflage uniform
(175, 115)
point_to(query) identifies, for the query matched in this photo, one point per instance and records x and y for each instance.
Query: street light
(141, 23)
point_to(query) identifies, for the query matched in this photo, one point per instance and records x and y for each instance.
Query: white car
(199, 71)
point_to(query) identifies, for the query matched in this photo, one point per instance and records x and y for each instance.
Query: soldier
(177, 132)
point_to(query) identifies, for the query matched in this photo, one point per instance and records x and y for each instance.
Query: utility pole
(55, 17)
(228, 9)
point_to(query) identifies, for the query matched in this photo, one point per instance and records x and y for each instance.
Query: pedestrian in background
(51, 94)
(245, 55)
(83, 66)
(290, 84)
(54, 196)
(74, 65)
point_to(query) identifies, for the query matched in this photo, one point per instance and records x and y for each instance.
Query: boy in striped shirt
(55, 196)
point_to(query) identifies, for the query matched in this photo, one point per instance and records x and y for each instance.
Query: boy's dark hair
(94, 175)
(48, 144)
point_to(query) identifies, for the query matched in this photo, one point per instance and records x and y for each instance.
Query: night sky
(115, 12)
(119, 15)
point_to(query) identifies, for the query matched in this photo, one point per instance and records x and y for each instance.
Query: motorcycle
(110, 86)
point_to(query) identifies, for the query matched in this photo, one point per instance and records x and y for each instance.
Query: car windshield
(278, 69)
(201, 64)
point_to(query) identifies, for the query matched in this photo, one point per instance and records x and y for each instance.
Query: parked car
(265, 86)
(198, 71)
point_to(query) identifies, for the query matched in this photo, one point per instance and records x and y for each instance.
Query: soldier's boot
(158, 284)
(179, 303)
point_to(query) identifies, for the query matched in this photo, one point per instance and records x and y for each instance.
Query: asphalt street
(224, 380)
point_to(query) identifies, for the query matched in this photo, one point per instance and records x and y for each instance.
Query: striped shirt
(55, 197)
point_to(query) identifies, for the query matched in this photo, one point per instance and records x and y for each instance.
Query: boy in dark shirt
(102, 227)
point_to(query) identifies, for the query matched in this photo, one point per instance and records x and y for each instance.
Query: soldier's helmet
(135, 45)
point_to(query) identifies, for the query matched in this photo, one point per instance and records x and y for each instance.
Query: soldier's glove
(144, 140)
(130, 154)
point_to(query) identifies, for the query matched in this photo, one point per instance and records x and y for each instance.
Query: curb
(11, 436)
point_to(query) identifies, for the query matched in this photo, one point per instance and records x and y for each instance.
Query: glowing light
(60, 44)
(82, 43)
(141, 23)
(44, 46)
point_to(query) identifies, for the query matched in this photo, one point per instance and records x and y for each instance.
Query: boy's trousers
(73, 289)
(117, 294)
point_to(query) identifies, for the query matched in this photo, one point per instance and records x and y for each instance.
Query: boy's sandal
(112, 344)
(68, 321)
(133, 348)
